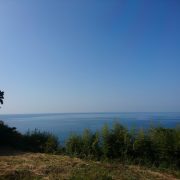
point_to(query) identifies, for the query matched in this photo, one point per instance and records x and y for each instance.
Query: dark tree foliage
(9, 136)
(1, 97)
(37, 141)
(34, 141)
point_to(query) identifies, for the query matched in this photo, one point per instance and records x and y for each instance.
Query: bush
(105, 144)
(86, 146)
(142, 147)
(34, 141)
(9, 136)
(37, 141)
(166, 145)
(74, 145)
(115, 142)
(156, 146)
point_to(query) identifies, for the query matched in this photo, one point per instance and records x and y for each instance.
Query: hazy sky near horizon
(90, 56)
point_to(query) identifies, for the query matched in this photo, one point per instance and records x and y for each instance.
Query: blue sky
(90, 56)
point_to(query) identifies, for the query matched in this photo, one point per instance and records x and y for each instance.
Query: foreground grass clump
(45, 166)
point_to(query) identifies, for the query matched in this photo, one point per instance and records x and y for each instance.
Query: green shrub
(52, 144)
(166, 145)
(177, 146)
(96, 149)
(156, 146)
(37, 141)
(74, 145)
(142, 147)
(120, 141)
(115, 142)
(87, 143)
(9, 136)
(106, 141)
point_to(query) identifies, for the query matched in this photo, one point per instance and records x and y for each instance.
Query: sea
(64, 124)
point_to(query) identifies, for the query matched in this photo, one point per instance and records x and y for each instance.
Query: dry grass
(44, 166)
(40, 165)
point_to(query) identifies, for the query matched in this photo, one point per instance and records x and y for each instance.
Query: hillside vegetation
(159, 147)
(112, 153)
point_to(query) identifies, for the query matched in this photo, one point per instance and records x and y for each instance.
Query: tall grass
(159, 146)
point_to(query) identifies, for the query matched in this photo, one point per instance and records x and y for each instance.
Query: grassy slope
(44, 166)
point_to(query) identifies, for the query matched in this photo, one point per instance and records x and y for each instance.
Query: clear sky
(90, 56)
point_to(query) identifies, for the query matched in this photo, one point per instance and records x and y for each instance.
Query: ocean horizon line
(58, 113)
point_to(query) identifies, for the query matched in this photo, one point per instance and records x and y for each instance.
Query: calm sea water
(64, 124)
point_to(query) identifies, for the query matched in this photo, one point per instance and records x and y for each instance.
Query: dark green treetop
(1, 97)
